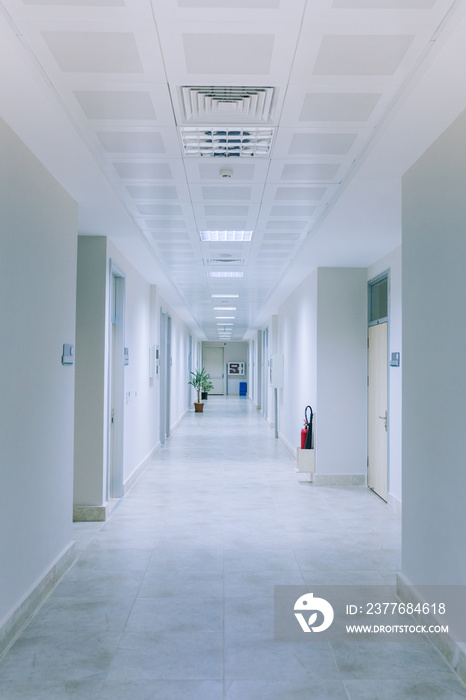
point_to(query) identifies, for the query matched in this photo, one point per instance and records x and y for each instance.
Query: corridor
(172, 597)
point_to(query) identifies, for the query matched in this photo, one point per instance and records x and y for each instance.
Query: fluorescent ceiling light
(224, 308)
(226, 235)
(225, 317)
(224, 296)
(225, 274)
(225, 324)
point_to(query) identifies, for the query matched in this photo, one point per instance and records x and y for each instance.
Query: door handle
(385, 419)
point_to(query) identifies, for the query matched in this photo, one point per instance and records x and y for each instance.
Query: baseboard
(129, 483)
(288, 447)
(14, 623)
(175, 425)
(342, 480)
(452, 651)
(90, 514)
(394, 504)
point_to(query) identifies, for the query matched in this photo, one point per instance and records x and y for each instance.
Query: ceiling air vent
(228, 142)
(227, 104)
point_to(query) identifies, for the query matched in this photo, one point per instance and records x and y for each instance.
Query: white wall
(141, 393)
(180, 399)
(90, 449)
(141, 435)
(297, 341)
(392, 262)
(341, 416)
(322, 334)
(434, 366)
(38, 233)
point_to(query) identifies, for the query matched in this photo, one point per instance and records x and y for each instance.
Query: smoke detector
(226, 172)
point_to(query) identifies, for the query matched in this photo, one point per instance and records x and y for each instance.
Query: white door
(213, 361)
(377, 464)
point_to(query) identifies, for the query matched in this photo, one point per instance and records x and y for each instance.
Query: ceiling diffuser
(230, 104)
(226, 142)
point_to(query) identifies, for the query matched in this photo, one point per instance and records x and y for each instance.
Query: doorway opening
(165, 374)
(377, 426)
(213, 359)
(116, 384)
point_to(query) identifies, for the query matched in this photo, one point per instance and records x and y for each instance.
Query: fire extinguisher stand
(305, 455)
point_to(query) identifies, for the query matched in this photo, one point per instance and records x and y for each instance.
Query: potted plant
(197, 380)
(206, 387)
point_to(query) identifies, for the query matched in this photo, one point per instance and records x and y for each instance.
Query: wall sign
(235, 368)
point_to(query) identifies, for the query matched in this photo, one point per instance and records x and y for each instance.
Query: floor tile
(173, 597)
(436, 687)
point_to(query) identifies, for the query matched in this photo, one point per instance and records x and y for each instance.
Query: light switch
(68, 354)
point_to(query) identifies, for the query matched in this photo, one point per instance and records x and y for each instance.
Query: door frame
(386, 319)
(165, 375)
(116, 383)
(224, 377)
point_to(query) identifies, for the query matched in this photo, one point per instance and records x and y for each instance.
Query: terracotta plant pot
(198, 407)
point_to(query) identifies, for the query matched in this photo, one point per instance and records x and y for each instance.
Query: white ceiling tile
(239, 171)
(283, 225)
(338, 107)
(144, 171)
(165, 224)
(77, 3)
(309, 171)
(169, 236)
(225, 224)
(244, 171)
(287, 210)
(232, 4)
(361, 54)
(300, 193)
(273, 236)
(138, 142)
(116, 104)
(160, 209)
(174, 245)
(384, 4)
(320, 144)
(152, 192)
(94, 52)
(226, 210)
(226, 193)
(226, 54)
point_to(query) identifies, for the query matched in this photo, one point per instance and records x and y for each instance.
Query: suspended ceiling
(289, 119)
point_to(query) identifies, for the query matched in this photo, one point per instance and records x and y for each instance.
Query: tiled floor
(172, 598)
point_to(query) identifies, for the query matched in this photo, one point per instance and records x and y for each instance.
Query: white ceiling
(354, 90)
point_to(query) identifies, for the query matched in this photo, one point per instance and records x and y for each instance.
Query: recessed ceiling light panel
(226, 236)
(224, 273)
(223, 261)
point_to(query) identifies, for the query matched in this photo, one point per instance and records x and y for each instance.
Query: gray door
(213, 361)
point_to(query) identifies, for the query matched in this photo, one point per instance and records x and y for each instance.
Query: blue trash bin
(243, 388)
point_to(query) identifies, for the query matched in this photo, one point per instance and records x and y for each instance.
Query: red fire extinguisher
(304, 435)
(306, 432)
